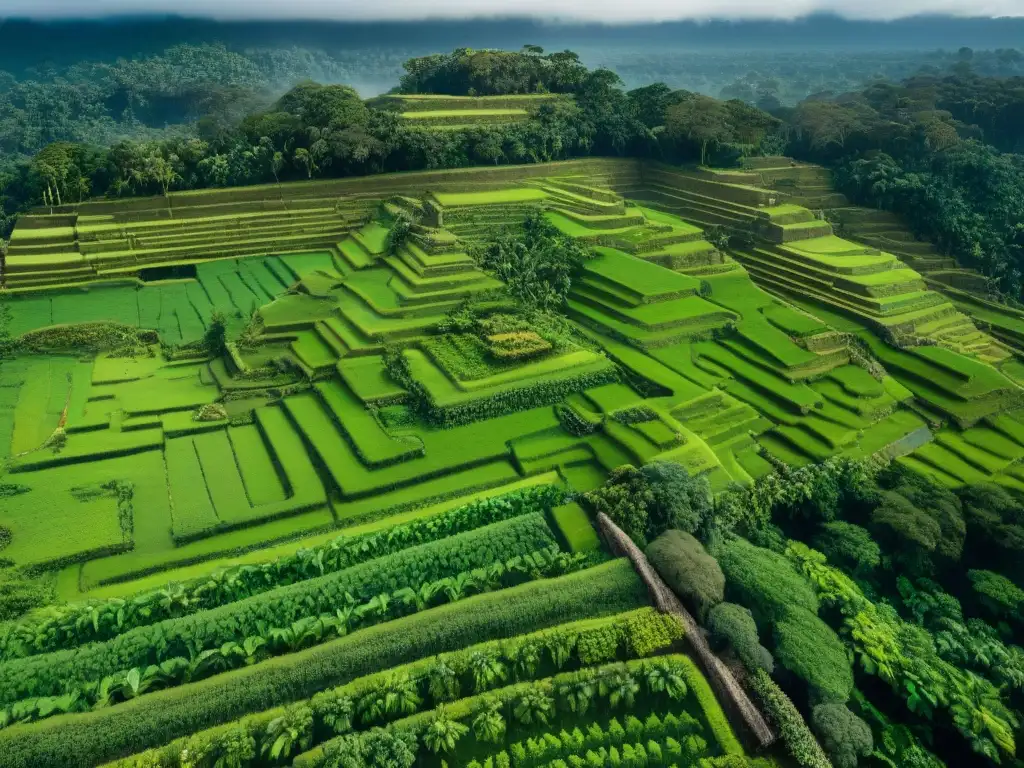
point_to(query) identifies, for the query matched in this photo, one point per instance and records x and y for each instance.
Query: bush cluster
(781, 712)
(688, 569)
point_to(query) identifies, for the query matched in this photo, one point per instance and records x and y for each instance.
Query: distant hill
(25, 44)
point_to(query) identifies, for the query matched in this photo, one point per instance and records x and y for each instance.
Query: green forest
(534, 409)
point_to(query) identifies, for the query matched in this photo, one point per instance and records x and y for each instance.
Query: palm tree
(443, 733)
(665, 677)
(284, 733)
(443, 682)
(489, 724)
(401, 698)
(577, 694)
(534, 706)
(620, 688)
(337, 713)
(525, 660)
(487, 671)
(560, 647)
(394, 696)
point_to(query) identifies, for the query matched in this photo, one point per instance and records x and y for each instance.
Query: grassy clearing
(769, 339)
(445, 450)
(792, 322)
(54, 524)
(366, 377)
(223, 479)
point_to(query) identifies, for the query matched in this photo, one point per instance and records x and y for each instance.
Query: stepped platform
(641, 303)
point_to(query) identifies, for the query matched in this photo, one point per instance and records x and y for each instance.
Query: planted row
(484, 720)
(425, 684)
(312, 630)
(79, 623)
(92, 738)
(189, 636)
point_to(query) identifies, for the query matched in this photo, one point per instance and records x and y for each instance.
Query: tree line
(321, 131)
(939, 148)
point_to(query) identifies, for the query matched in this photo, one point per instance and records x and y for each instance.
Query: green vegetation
(322, 470)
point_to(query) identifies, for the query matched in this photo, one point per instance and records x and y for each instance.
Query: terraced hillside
(392, 481)
(967, 289)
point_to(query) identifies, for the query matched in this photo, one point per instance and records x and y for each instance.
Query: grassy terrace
(467, 114)
(492, 197)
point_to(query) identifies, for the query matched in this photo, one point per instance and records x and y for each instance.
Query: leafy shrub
(644, 636)
(634, 414)
(997, 593)
(793, 730)
(537, 263)
(996, 528)
(20, 593)
(733, 625)
(645, 502)
(520, 398)
(925, 518)
(807, 647)
(844, 736)
(575, 422)
(517, 345)
(86, 337)
(379, 747)
(848, 545)
(680, 500)
(764, 581)
(625, 498)
(688, 569)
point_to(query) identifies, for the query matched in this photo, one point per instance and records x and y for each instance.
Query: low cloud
(612, 11)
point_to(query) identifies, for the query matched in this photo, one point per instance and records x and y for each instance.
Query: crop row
(274, 641)
(484, 719)
(655, 740)
(428, 683)
(94, 737)
(92, 621)
(49, 674)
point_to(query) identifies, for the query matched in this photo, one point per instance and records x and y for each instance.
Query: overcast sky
(589, 10)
